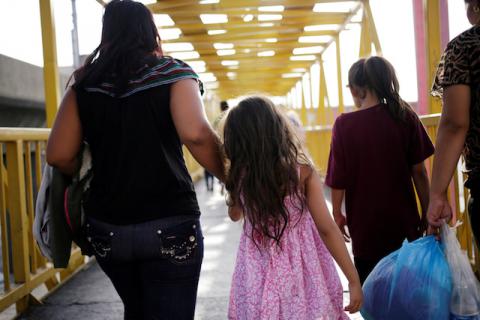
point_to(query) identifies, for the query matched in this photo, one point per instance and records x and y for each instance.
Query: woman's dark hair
(378, 75)
(129, 41)
(264, 155)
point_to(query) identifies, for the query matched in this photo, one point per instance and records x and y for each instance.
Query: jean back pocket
(181, 244)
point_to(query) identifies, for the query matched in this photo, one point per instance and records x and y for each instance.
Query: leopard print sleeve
(454, 66)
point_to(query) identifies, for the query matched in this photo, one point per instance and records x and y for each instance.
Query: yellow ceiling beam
(237, 4)
(253, 73)
(277, 68)
(249, 37)
(302, 21)
(282, 58)
(253, 48)
(160, 7)
(234, 12)
(252, 35)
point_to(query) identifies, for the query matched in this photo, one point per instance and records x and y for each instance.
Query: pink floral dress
(297, 282)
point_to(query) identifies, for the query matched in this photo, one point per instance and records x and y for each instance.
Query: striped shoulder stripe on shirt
(167, 71)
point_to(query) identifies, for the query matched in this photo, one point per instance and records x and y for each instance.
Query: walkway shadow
(88, 295)
(221, 241)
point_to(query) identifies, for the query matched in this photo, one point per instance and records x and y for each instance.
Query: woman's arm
(332, 237)
(193, 127)
(451, 135)
(65, 138)
(420, 179)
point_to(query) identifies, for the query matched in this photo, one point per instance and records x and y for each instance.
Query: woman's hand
(235, 213)
(438, 209)
(356, 297)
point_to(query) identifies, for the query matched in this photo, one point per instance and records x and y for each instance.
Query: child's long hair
(378, 75)
(264, 155)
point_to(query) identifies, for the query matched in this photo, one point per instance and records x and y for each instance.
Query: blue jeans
(154, 266)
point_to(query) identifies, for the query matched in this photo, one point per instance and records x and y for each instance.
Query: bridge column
(435, 34)
(421, 55)
(301, 101)
(341, 105)
(322, 96)
(307, 96)
(50, 68)
(369, 33)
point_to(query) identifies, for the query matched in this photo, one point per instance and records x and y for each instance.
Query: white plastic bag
(465, 301)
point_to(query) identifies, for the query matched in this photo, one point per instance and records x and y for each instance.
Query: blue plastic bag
(412, 283)
(377, 287)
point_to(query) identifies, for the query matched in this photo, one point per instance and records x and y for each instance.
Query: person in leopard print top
(457, 82)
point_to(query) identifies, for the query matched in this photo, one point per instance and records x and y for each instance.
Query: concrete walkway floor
(90, 295)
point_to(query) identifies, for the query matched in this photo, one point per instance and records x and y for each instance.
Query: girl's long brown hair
(378, 75)
(264, 155)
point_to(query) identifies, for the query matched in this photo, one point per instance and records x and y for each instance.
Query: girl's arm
(332, 237)
(451, 135)
(65, 138)
(420, 179)
(193, 127)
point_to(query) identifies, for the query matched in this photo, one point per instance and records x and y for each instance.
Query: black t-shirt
(138, 165)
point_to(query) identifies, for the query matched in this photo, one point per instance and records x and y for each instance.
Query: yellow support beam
(341, 106)
(373, 35)
(50, 68)
(303, 104)
(434, 48)
(18, 217)
(322, 96)
(3, 224)
(365, 39)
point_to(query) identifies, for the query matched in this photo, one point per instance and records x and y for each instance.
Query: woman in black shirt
(135, 108)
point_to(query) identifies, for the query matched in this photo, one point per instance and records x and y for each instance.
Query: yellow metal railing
(24, 269)
(22, 156)
(318, 144)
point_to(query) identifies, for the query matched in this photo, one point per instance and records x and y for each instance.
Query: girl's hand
(341, 222)
(356, 297)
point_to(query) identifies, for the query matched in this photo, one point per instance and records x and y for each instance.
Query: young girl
(284, 269)
(376, 152)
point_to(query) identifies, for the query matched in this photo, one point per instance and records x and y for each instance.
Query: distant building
(22, 97)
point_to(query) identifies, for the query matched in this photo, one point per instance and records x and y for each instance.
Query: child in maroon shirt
(375, 154)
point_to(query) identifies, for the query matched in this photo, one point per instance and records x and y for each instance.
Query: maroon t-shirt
(371, 157)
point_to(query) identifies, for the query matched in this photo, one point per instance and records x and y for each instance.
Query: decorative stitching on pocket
(101, 244)
(178, 246)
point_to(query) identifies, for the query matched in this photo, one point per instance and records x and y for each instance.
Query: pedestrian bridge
(271, 46)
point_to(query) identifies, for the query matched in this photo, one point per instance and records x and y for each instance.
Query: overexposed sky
(20, 37)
